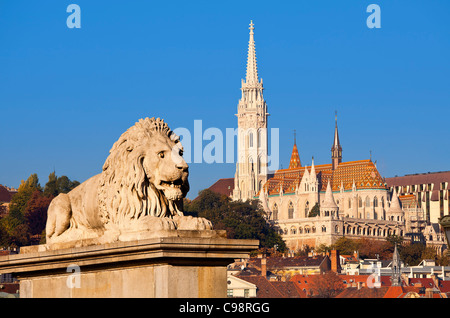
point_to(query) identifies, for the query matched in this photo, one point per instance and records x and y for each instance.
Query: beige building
(352, 197)
(319, 203)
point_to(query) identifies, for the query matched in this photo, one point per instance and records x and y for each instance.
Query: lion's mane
(125, 193)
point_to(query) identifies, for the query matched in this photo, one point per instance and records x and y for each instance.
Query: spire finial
(252, 70)
(295, 137)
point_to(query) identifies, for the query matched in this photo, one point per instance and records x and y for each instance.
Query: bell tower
(251, 169)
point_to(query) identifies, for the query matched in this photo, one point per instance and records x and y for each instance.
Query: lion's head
(144, 174)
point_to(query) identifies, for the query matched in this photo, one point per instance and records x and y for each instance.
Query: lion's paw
(152, 223)
(192, 223)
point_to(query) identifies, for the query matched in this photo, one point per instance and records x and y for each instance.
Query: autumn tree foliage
(28, 210)
(326, 285)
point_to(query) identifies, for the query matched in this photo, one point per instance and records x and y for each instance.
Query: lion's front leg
(146, 227)
(192, 223)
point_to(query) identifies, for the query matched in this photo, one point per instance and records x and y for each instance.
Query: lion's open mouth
(172, 184)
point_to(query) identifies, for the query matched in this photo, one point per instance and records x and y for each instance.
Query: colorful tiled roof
(295, 159)
(363, 173)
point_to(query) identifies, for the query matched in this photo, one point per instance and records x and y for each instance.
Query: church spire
(252, 69)
(336, 150)
(295, 158)
(396, 278)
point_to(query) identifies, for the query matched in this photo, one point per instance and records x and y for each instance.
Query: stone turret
(329, 207)
(395, 212)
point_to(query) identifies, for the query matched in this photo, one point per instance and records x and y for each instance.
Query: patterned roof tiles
(363, 173)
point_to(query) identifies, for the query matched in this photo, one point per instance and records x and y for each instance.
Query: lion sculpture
(138, 194)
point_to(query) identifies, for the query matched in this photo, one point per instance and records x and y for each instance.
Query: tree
(28, 209)
(345, 246)
(241, 220)
(315, 211)
(57, 185)
(36, 212)
(326, 285)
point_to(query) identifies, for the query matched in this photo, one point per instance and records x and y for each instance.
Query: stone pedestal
(189, 264)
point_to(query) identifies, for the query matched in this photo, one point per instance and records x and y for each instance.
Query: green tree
(345, 246)
(315, 211)
(57, 185)
(241, 220)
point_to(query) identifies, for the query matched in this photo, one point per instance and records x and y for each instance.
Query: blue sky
(66, 95)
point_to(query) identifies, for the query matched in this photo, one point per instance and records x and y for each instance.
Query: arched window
(275, 212)
(367, 202)
(359, 202)
(250, 139)
(375, 202)
(290, 210)
(324, 229)
(306, 209)
(336, 229)
(382, 202)
(349, 203)
(313, 229)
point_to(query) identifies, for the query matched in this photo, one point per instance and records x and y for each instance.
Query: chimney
(264, 267)
(335, 264)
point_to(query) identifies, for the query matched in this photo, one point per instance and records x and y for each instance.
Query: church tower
(251, 170)
(336, 150)
(396, 277)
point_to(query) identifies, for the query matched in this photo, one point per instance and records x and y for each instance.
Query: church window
(275, 212)
(367, 201)
(306, 209)
(336, 229)
(313, 229)
(250, 141)
(291, 211)
(360, 202)
(375, 202)
(349, 203)
(324, 229)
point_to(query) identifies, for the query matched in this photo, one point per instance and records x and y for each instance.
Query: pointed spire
(295, 158)
(252, 69)
(336, 150)
(396, 278)
(336, 143)
(313, 170)
(395, 207)
(329, 198)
